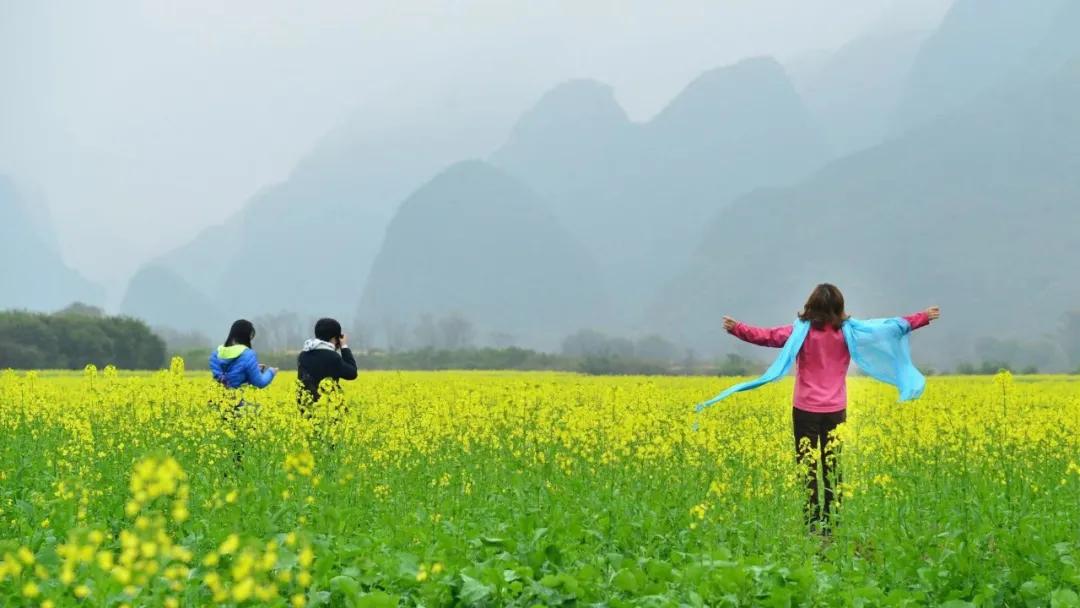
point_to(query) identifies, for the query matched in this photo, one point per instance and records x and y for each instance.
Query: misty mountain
(637, 194)
(570, 147)
(33, 274)
(306, 245)
(1060, 47)
(161, 297)
(853, 92)
(980, 45)
(476, 242)
(976, 211)
(736, 160)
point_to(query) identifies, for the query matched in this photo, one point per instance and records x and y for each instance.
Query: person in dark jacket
(327, 355)
(235, 364)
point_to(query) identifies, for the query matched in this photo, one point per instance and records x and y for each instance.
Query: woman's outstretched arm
(775, 337)
(922, 319)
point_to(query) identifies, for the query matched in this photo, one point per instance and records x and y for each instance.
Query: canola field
(514, 489)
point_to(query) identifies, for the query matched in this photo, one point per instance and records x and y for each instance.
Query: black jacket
(313, 366)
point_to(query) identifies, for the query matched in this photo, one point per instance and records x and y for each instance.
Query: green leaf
(1034, 588)
(588, 573)
(553, 554)
(570, 584)
(345, 585)
(778, 598)
(551, 581)
(659, 571)
(538, 534)
(615, 559)
(472, 590)
(624, 580)
(377, 599)
(1064, 598)
(408, 565)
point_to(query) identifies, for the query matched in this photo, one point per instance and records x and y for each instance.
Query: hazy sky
(142, 122)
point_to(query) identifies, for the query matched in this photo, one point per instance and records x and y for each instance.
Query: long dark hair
(825, 307)
(241, 332)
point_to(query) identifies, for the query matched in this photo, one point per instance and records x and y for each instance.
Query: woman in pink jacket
(820, 399)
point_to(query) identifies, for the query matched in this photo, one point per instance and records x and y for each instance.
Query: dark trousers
(812, 446)
(231, 417)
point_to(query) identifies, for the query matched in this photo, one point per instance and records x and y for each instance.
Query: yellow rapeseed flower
(30, 590)
(243, 590)
(306, 557)
(231, 544)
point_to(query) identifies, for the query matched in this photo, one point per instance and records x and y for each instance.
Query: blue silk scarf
(880, 347)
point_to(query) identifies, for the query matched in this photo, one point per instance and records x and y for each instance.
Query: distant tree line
(512, 359)
(1057, 352)
(75, 337)
(450, 342)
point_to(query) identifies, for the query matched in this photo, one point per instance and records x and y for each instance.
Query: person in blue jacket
(235, 364)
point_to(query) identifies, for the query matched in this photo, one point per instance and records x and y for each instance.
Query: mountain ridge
(41, 280)
(637, 193)
(488, 224)
(976, 231)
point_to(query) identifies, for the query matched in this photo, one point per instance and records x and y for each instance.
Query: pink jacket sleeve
(774, 337)
(917, 320)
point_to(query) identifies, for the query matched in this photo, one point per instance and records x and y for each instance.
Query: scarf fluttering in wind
(879, 347)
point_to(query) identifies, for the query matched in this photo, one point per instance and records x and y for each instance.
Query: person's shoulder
(303, 359)
(316, 355)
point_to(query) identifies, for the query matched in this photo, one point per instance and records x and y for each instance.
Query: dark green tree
(72, 340)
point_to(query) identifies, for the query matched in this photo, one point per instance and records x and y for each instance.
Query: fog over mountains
(909, 166)
(628, 198)
(976, 209)
(979, 45)
(477, 242)
(306, 245)
(956, 211)
(854, 93)
(33, 274)
(638, 194)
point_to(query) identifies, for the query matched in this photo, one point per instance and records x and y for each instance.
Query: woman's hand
(729, 324)
(934, 312)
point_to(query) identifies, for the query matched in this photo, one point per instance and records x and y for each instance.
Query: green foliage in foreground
(510, 489)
